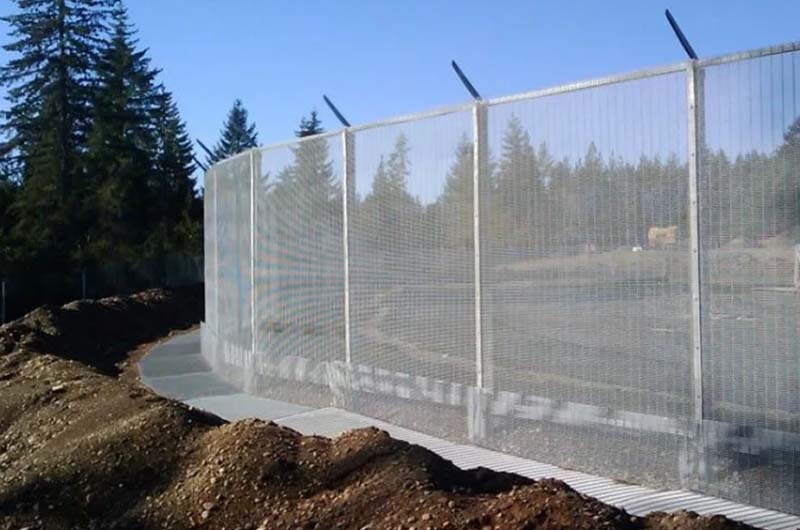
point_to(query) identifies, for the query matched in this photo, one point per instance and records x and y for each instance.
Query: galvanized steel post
(694, 95)
(348, 158)
(477, 402)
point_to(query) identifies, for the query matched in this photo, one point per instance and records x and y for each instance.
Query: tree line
(96, 165)
(534, 204)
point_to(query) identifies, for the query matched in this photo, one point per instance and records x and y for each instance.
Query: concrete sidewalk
(176, 369)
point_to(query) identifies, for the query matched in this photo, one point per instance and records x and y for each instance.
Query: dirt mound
(83, 449)
(102, 332)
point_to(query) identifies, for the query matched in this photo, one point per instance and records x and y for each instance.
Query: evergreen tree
(519, 187)
(456, 201)
(389, 185)
(587, 173)
(180, 209)
(787, 171)
(237, 134)
(310, 126)
(545, 205)
(50, 90)
(398, 166)
(315, 181)
(303, 213)
(308, 188)
(389, 207)
(8, 194)
(122, 171)
(562, 193)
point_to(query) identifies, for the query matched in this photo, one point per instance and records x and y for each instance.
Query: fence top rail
(647, 72)
(220, 163)
(590, 83)
(298, 141)
(550, 91)
(440, 111)
(751, 54)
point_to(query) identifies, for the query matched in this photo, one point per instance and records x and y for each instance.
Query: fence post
(3, 302)
(348, 157)
(477, 408)
(340, 377)
(253, 219)
(213, 174)
(696, 452)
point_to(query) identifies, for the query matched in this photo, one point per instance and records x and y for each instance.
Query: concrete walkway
(176, 369)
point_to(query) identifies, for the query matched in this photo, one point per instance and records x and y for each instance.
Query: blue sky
(379, 59)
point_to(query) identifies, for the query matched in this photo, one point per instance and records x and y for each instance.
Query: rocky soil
(83, 446)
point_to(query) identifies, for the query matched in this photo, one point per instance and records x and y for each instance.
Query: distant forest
(96, 166)
(533, 204)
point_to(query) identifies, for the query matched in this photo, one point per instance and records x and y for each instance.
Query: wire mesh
(209, 345)
(300, 268)
(586, 299)
(209, 249)
(585, 278)
(412, 268)
(233, 289)
(749, 135)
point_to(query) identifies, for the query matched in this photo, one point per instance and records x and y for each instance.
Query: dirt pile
(100, 333)
(80, 448)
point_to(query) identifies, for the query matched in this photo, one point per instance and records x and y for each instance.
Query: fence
(600, 276)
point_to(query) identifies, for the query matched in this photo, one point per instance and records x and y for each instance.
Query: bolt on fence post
(348, 157)
(694, 93)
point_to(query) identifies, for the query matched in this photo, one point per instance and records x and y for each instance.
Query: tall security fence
(602, 276)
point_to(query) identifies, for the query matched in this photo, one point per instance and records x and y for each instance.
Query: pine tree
(308, 187)
(456, 201)
(398, 167)
(389, 185)
(236, 135)
(8, 194)
(562, 193)
(588, 175)
(122, 172)
(50, 89)
(179, 216)
(787, 172)
(310, 126)
(391, 209)
(520, 190)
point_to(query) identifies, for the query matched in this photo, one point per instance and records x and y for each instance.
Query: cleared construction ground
(84, 444)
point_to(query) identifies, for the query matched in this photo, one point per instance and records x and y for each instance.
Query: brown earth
(84, 445)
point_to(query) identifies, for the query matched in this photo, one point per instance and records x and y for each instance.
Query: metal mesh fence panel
(234, 347)
(412, 273)
(209, 324)
(209, 247)
(585, 258)
(750, 227)
(300, 271)
(573, 328)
